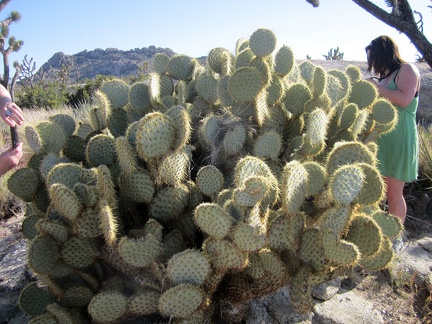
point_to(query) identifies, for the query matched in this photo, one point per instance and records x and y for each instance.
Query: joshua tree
(402, 18)
(12, 45)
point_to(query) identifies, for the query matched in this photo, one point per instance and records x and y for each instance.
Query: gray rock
(326, 290)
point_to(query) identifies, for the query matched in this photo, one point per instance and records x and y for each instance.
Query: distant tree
(13, 45)
(334, 54)
(401, 18)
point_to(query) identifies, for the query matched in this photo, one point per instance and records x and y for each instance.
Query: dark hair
(384, 55)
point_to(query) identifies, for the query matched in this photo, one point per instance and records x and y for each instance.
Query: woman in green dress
(399, 82)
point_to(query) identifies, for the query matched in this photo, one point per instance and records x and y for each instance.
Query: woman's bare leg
(395, 199)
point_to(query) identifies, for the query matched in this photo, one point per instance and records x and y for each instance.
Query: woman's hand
(11, 113)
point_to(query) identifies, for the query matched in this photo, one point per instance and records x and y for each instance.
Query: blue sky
(193, 27)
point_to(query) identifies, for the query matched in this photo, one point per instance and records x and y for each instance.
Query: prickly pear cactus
(204, 188)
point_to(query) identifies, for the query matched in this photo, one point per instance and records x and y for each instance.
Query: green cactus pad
(243, 58)
(78, 253)
(284, 61)
(144, 303)
(181, 67)
(54, 229)
(206, 87)
(354, 73)
(213, 220)
(137, 186)
(139, 252)
(160, 63)
(173, 169)
(336, 219)
(384, 112)
(380, 260)
(84, 130)
(88, 223)
(246, 238)
(28, 226)
(254, 190)
(340, 252)
(190, 267)
(311, 249)
(316, 175)
(366, 234)
(168, 203)
(66, 121)
(219, 60)
(373, 190)
(117, 92)
(284, 232)
(67, 174)
(155, 136)
(262, 42)
(391, 226)
(363, 93)
(43, 253)
(33, 139)
(52, 135)
(245, 84)
(24, 183)
(65, 201)
(224, 96)
(348, 116)
(209, 180)
(300, 291)
(74, 148)
(294, 186)
(268, 145)
(319, 81)
(101, 150)
(224, 255)
(181, 301)
(33, 299)
(347, 153)
(234, 140)
(108, 307)
(346, 183)
(296, 98)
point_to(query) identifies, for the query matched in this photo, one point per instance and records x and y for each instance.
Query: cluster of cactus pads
(204, 187)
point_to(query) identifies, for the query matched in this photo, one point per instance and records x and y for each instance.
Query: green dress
(398, 149)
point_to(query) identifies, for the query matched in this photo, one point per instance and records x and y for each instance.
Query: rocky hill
(111, 61)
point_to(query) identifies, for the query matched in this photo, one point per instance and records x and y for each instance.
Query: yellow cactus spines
(390, 225)
(316, 126)
(52, 136)
(340, 252)
(155, 136)
(24, 183)
(268, 146)
(181, 120)
(245, 84)
(296, 98)
(354, 73)
(67, 122)
(380, 260)
(140, 252)
(284, 232)
(366, 234)
(275, 91)
(363, 93)
(346, 183)
(83, 130)
(284, 61)
(181, 301)
(126, 157)
(219, 60)
(144, 303)
(247, 238)
(225, 255)
(105, 184)
(67, 174)
(173, 169)
(384, 112)
(293, 186)
(108, 306)
(241, 44)
(334, 89)
(43, 253)
(160, 63)
(213, 220)
(262, 42)
(33, 139)
(347, 153)
(253, 191)
(182, 67)
(117, 92)
(190, 266)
